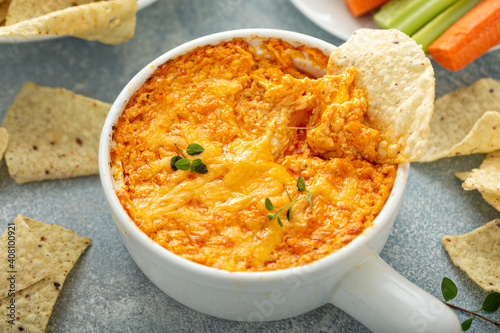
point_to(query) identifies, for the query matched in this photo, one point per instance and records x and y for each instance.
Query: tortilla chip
(4, 138)
(30, 261)
(54, 133)
(4, 7)
(466, 121)
(477, 253)
(487, 177)
(462, 175)
(111, 22)
(63, 243)
(492, 199)
(398, 80)
(34, 304)
(22, 10)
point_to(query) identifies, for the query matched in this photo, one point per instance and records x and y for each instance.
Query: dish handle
(384, 301)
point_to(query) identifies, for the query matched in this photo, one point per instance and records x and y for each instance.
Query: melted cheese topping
(263, 123)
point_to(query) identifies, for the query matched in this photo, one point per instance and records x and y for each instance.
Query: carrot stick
(470, 37)
(435, 28)
(361, 7)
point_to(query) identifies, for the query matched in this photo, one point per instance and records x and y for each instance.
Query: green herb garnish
(301, 186)
(490, 304)
(194, 149)
(181, 162)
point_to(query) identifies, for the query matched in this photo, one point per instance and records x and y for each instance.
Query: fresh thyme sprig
(301, 186)
(490, 304)
(183, 163)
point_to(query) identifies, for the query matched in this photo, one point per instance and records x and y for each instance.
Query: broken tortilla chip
(4, 138)
(22, 10)
(466, 121)
(22, 261)
(492, 199)
(477, 253)
(111, 22)
(34, 304)
(398, 80)
(462, 175)
(53, 133)
(487, 177)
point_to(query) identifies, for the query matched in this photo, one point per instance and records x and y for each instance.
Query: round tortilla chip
(477, 253)
(466, 121)
(398, 80)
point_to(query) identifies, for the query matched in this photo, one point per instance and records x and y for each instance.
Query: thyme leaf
(174, 160)
(269, 204)
(301, 186)
(181, 162)
(448, 289)
(491, 304)
(467, 323)
(201, 169)
(194, 149)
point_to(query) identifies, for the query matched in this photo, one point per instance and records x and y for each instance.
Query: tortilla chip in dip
(53, 133)
(34, 303)
(466, 121)
(4, 138)
(477, 253)
(398, 81)
(110, 22)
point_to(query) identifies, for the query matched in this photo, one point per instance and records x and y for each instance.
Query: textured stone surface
(106, 292)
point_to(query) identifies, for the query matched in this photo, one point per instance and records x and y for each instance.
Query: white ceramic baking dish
(354, 278)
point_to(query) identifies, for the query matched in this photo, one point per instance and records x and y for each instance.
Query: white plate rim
(334, 17)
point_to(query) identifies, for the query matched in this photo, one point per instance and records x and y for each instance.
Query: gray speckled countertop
(106, 292)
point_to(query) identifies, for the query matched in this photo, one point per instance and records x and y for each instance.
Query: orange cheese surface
(263, 123)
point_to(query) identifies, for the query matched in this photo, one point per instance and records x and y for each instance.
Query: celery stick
(410, 15)
(432, 30)
(384, 17)
(392, 11)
